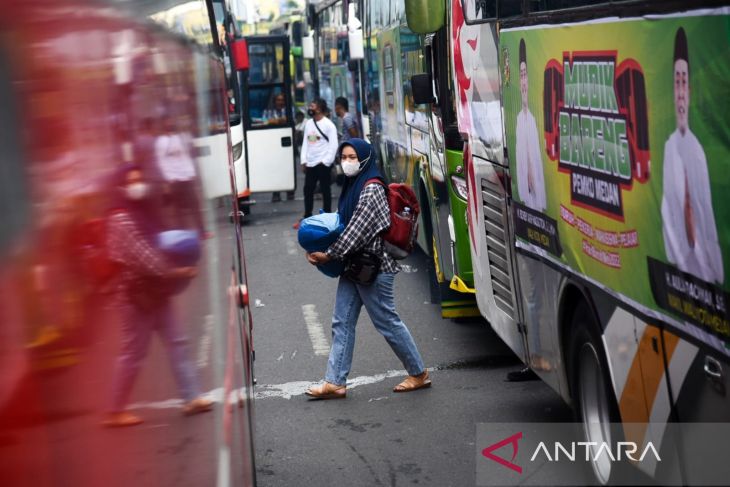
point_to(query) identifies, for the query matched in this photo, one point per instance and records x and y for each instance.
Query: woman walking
(146, 306)
(363, 209)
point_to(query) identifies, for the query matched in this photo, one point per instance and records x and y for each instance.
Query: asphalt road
(374, 437)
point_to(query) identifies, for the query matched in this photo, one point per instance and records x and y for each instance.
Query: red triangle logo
(513, 440)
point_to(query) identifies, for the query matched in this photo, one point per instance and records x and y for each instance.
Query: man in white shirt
(688, 220)
(530, 176)
(317, 155)
(174, 156)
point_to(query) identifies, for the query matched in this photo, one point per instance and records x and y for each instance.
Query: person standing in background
(277, 115)
(173, 153)
(317, 156)
(349, 130)
(349, 125)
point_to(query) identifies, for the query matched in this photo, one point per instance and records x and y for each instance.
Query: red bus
(125, 336)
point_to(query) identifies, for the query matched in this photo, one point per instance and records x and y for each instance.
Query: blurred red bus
(108, 332)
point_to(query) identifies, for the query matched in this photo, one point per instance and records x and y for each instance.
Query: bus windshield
(227, 33)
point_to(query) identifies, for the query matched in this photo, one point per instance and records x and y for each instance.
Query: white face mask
(137, 191)
(351, 168)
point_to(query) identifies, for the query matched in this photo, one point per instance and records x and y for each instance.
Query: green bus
(418, 140)
(597, 182)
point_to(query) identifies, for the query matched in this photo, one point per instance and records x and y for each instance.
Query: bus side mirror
(308, 46)
(422, 88)
(425, 16)
(239, 51)
(354, 35)
(357, 49)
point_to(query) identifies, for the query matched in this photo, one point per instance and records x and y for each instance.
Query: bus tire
(243, 205)
(427, 228)
(594, 401)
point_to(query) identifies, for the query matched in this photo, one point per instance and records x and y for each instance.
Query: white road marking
(205, 343)
(293, 355)
(280, 358)
(290, 240)
(297, 388)
(316, 330)
(224, 467)
(377, 398)
(282, 391)
(291, 248)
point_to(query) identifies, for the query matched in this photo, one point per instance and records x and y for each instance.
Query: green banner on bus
(618, 135)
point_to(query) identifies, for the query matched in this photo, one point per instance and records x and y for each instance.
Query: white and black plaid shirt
(371, 217)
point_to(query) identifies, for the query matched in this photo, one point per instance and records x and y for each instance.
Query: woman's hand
(317, 258)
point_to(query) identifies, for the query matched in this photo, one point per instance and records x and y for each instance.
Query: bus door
(268, 115)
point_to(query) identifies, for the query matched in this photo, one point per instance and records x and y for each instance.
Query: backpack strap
(377, 181)
(320, 130)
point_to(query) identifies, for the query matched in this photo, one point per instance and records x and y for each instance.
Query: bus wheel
(426, 226)
(594, 401)
(244, 206)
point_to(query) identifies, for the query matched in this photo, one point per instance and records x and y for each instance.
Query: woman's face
(349, 154)
(134, 176)
(135, 186)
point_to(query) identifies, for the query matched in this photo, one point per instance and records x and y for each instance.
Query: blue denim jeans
(138, 327)
(380, 304)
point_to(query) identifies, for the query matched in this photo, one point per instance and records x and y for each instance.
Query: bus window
(267, 63)
(509, 8)
(226, 34)
(388, 75)
(266, 106)
(476, 10)
(14, 207)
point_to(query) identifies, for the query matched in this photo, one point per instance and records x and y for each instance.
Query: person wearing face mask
(317, 156)
(132, 227)
(363, 209)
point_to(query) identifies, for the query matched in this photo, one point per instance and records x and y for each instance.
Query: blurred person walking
(363, 209)
(146, 284)
(317, 156)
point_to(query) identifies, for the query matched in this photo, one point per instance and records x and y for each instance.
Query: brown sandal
(121, 419)
(198, 405)
(414, 382)
(327, 391)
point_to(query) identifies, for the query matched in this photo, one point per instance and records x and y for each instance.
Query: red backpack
(93, 253)
(400, 238)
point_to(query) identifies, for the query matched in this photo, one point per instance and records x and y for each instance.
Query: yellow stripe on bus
(643, 381)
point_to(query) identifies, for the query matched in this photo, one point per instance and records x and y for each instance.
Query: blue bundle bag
(317, 233)
(183, 249)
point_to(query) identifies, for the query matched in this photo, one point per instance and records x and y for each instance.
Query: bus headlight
(237, 151)
(460, 187)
